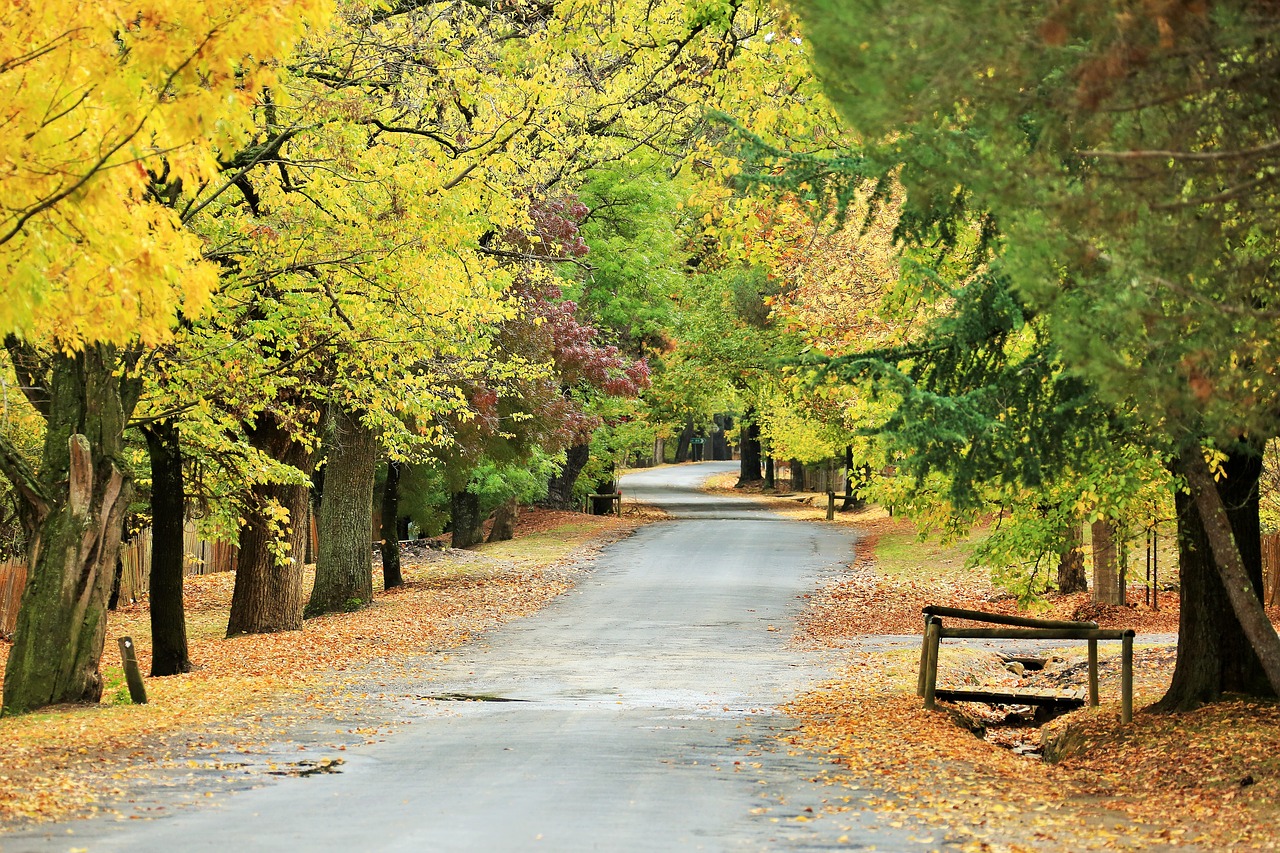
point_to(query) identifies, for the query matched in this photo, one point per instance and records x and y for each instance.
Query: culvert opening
(1022, 693)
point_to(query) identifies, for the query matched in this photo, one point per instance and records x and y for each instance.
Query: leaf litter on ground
(1204, 780)
(247, 691)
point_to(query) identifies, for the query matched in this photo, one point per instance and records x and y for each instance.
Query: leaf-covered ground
(80, 759)
(1208, 780)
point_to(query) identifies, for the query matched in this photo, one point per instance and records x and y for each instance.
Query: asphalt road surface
(644, 717)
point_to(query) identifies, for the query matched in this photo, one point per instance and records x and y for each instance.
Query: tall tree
(96, 110)
(344, 566)
(169, 654)
(1127, 160)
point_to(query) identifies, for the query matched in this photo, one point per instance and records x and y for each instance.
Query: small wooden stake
(132, 675)
(831, 506)
(1093, 673)
(1126, 679)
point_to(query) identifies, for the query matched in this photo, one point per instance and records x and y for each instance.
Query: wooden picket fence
(1271, 569)
(202, 558)
(13, 578)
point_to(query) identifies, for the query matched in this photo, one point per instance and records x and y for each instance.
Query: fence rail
(202, 557)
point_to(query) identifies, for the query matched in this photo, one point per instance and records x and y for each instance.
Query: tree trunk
(770, 480)
(1071, 576)
(797, 475)
(504, 521)
(560, 487)
(852, 500)
(344, 566)
(391, 575)
(113, 600)
(719, 439)
(749, 465)
(1106, 568)
(268, 595)
(685, 441)
(465, 519)
(73, 513)
(169, 654)
(1215, 656)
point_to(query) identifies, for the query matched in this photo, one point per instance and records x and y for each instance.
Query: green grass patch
(904, 555)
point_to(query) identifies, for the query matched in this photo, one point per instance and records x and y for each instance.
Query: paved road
(646, 717)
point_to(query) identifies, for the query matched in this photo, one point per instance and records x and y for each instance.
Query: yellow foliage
(100, 96)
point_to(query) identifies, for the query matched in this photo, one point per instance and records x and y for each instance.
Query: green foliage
(1126, 161)
(637, 259)
(495, 482)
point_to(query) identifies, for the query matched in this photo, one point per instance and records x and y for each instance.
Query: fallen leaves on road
(79, 758)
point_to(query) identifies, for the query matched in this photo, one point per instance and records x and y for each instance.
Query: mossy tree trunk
(1215, 656)
(391, 574)
(169, 652)
(1107, 586)
(344, 566)
(1071, 576)
(560, 487)
(268, 594)
(73, 512)
(504, 521)
(465, 519)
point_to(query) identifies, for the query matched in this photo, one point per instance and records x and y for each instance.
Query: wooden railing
(1020, 628)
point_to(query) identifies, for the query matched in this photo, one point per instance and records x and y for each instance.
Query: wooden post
(132, 675)
(831, 505)
(619, 502)
(1093, 673)
(931, 638)
(924, 656)
(1126, 678)
(1155, 570)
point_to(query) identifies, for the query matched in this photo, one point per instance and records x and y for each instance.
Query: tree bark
(560, 487)
(1107, 588)
(1071, 576)
(1226, 643)
(719, 439)
(73, 512)
(465, 519)
(391, 575)
(685, 441)
(1215, 656)
(268, 594)
(749, 464)
(504, 521)
(344, 566)
(169, 653)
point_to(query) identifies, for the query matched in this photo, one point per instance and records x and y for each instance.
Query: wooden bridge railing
(1020, 628)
